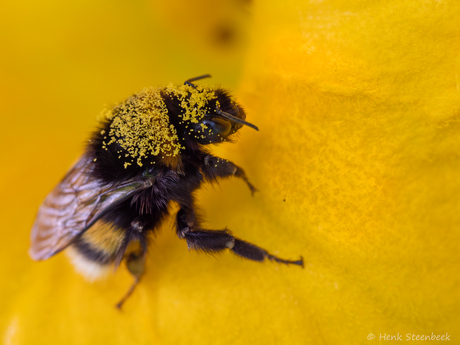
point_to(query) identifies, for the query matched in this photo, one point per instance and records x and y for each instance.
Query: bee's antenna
(234, 118)
(189, 81)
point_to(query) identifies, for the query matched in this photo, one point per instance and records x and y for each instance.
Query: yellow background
(357, 163)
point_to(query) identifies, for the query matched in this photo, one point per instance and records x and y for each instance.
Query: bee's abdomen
(94, 252)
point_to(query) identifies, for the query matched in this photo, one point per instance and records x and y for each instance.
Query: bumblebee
(150, 150)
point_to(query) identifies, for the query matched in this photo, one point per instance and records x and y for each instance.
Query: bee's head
(157, 124)
(223, 118)
(203, 114)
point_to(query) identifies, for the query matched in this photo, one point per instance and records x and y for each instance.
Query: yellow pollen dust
(193, 100)
(141, 126)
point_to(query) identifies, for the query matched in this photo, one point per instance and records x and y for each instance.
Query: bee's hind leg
(135, 264)
(252, 252)
(218, 240)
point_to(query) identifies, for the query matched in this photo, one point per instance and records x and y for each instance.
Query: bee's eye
(218, 126)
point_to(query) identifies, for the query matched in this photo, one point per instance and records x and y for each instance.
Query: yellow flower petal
(356, 163)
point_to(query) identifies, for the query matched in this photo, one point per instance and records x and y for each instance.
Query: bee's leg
(218, 240)
(215, 167)
(135, 264)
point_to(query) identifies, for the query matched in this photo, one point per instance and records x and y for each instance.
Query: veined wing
(73, 206)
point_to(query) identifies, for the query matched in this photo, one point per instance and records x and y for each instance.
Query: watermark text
(409, 337)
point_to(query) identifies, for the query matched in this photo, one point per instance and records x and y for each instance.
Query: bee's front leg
(215, 167)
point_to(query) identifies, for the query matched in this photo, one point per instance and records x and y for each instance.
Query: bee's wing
(72, 207)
